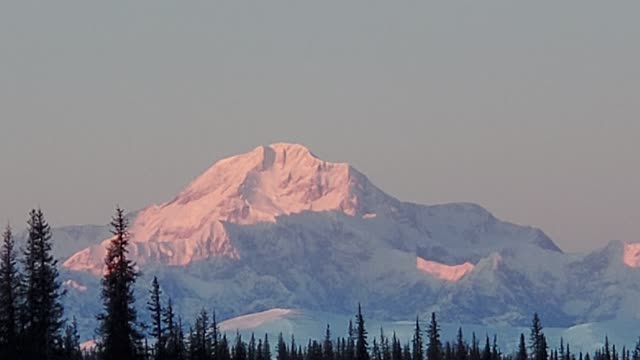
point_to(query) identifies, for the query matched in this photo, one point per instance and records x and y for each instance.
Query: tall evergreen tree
(175, 346)
(362, 346)
(266, 348)
(396, 348)
(281, 352)
(434, 346)
(239, 349)
(351, 343)
(384, 344)
(418, 346)
(538, 340)
(327, 345)
(42, 309)
(495, 351)
(522, 349)
(155, 309)
(121, 338)
(461, 352)
(9, 297)
(486, 352)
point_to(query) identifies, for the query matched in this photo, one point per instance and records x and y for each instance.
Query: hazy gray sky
(530, 109)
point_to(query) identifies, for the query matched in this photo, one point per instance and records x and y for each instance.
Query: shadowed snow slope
(279, 228)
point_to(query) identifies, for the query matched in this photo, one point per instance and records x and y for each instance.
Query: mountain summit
(271, 181)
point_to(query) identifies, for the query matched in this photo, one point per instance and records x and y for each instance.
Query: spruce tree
(9, 297)
(327, 345)
(42, 309)
(239, 349)
(71, 342)
(266, 348)
(461, 352)
(522, 349)
(418, 346)
(538, 340)
(351, 343)
(434, 347)
(155, 309)
(486, 352)
(384, 344)
(121, 338)
(396, 348)
(281, 352)
(362, 346)
(495, 352)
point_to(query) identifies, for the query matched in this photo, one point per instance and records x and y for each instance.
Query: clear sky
(531, 109)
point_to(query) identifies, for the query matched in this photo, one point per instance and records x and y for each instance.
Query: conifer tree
(376, 354)
(251, 350)
(351, 343)
(121, 338)
(486, 352)
(396, 348)
(384, 343)
(495, 352)
(418, 346)
(71, 342)
(9, 297)
(155, 308)
(461, 352)
(474, 353)
(522, 349)
(222, 352)
(282, 353)
(174, 340)
(362, 346)
(217, 349)
(259, 352)
(327, 345)
(448, 351)
(538, 340)
(434, 347)
(239, 349)
(266, 348)
(42, 309)
(406, 351)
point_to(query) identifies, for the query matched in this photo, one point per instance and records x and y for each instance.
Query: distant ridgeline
(33, 325)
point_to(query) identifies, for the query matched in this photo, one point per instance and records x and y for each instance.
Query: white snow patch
(631, 255)
(72, 284)
(88, 345)
(443, 271)
(253, 321)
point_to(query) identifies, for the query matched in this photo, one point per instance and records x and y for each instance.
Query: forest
(34, 326)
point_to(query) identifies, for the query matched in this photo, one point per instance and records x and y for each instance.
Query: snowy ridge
(443, 271)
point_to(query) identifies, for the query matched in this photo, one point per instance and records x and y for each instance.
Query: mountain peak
(256, 187)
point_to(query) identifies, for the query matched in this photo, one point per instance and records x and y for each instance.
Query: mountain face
(279, 228)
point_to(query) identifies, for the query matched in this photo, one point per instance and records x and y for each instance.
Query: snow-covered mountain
(280, 228)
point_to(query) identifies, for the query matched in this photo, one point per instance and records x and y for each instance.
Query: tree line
(33, 327)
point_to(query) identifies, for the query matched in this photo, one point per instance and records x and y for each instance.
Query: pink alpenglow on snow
(443, 271)
(631, 256)
(256, 187)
